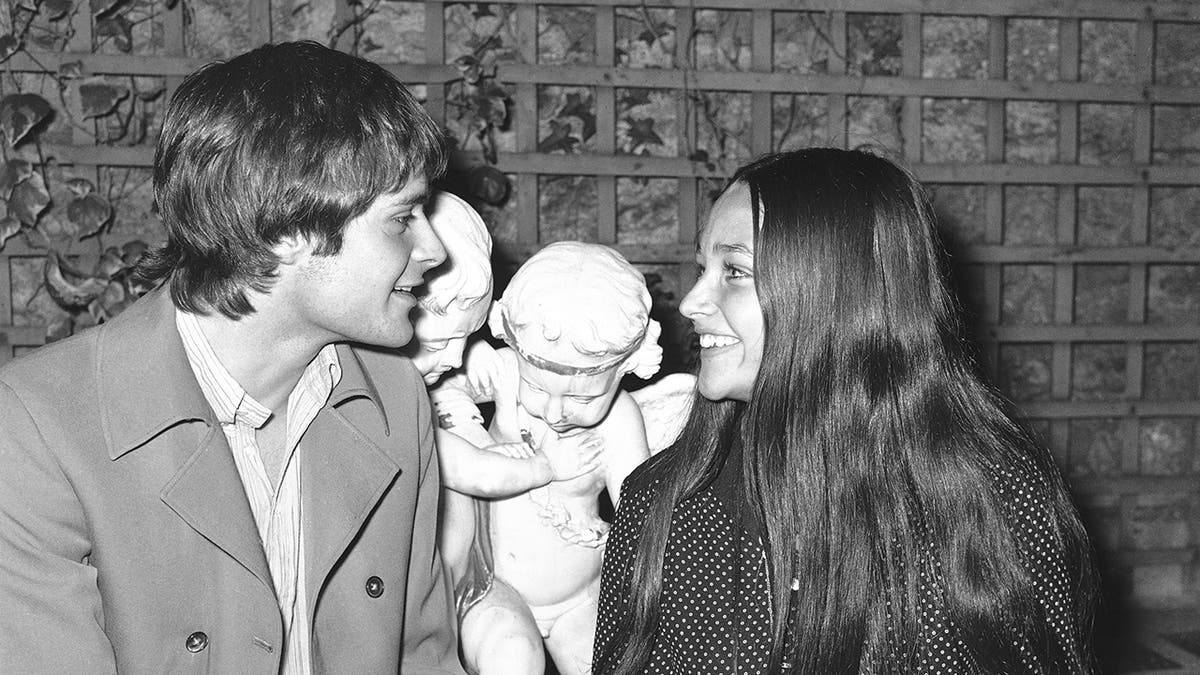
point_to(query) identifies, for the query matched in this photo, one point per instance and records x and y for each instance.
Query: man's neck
(265, 355)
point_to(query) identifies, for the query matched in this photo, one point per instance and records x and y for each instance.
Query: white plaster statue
(454, 305)
(575, 319)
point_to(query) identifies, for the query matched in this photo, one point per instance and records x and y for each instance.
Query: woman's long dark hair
(871, 452)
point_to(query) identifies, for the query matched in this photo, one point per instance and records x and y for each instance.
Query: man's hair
(466, 276)
(288, 140)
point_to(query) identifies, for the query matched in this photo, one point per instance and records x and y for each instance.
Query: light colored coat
(125, 532)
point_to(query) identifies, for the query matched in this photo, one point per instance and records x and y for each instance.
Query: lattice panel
(1061, 141)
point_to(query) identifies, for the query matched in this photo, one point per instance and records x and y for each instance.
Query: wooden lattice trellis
(1049, 307)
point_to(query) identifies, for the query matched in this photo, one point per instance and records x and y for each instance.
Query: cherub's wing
(665, 406)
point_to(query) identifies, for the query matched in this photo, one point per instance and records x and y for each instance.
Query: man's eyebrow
(414, 200)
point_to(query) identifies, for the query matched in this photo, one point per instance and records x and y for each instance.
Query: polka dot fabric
(715, 622)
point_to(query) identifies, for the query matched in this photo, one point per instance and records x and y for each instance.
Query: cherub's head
(578, 317)
(458, 293)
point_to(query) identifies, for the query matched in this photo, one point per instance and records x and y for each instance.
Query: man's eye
(583, 399)
(402, 221)
(435, 346)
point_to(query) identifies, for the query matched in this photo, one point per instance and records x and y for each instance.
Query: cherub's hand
(514, 450)
(573, 455)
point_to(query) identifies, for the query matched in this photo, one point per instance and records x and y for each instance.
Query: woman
(846, 496)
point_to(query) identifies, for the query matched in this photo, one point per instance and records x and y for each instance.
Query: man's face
(441, 338)
(364, 293)
(566, 402)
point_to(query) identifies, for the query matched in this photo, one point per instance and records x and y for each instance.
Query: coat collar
(147, 386)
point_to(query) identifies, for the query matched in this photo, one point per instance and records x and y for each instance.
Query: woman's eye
(736, 272)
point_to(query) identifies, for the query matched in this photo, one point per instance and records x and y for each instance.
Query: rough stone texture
(1177, 54)
(1030, 214)
(1104, 214)
(954, 47)
(1105, 134)
(1027, 294)
(1030, 132)
(873, 44)
(1096, 446)
(799, 121)
(953, 130)
(1175, 216)
(566, 35)
(647, 210)
(874, 121)
(1176, 134)
(1106, 51)
(1025, 371)
(1032, 49)
(1098, 371)
(960, 214)
(1173, 295)
(801, 43)
(724, 124)
(1101, 294)
(722, 40)
(1172, 371)
(1166, 446)
(567, 208)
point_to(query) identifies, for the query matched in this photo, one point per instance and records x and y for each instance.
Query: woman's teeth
(707, 340)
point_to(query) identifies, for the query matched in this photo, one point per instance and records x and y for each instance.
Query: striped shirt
(274, 503)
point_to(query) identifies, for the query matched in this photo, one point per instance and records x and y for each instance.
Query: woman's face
(723, 305)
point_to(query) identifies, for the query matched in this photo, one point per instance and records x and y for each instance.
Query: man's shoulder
(66, 362)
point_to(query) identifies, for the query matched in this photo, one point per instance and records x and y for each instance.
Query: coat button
(196, 642)
(374, 587)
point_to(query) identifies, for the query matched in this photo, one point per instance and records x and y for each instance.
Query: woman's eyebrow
(734, 248)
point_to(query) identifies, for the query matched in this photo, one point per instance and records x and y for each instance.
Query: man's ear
(292, 248)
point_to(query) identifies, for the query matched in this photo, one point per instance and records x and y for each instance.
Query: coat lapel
(207, 494)
(344, 473)
(151, 402)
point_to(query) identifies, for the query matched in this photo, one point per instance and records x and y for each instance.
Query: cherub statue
(575, 319)
(454, 305)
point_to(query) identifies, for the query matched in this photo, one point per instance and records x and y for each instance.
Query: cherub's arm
(624, 435)
(503, 469)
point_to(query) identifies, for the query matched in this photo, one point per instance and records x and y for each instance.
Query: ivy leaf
(56, 9)
(15, 172)
(19, 113)
(470, 68)
(580, 106)
(9, 44)
(90, 213)
(9, 227)
(110, 264)
(132, 252)
(481, 10)
(102, 7)
(99, 97)
(635, 97)
(119, 29)
(648, 36)
(59, 328)
(641, 132)
(80, 186)
(560, 138)
(111, 302)
(29, 198)
(69, 288)
(488, 184)
(71, 70)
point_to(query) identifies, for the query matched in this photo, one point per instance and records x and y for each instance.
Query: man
(217, 481)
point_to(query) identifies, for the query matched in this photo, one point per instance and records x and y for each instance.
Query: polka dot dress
(716, 601)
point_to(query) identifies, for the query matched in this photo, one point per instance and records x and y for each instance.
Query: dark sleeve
(618, 567)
